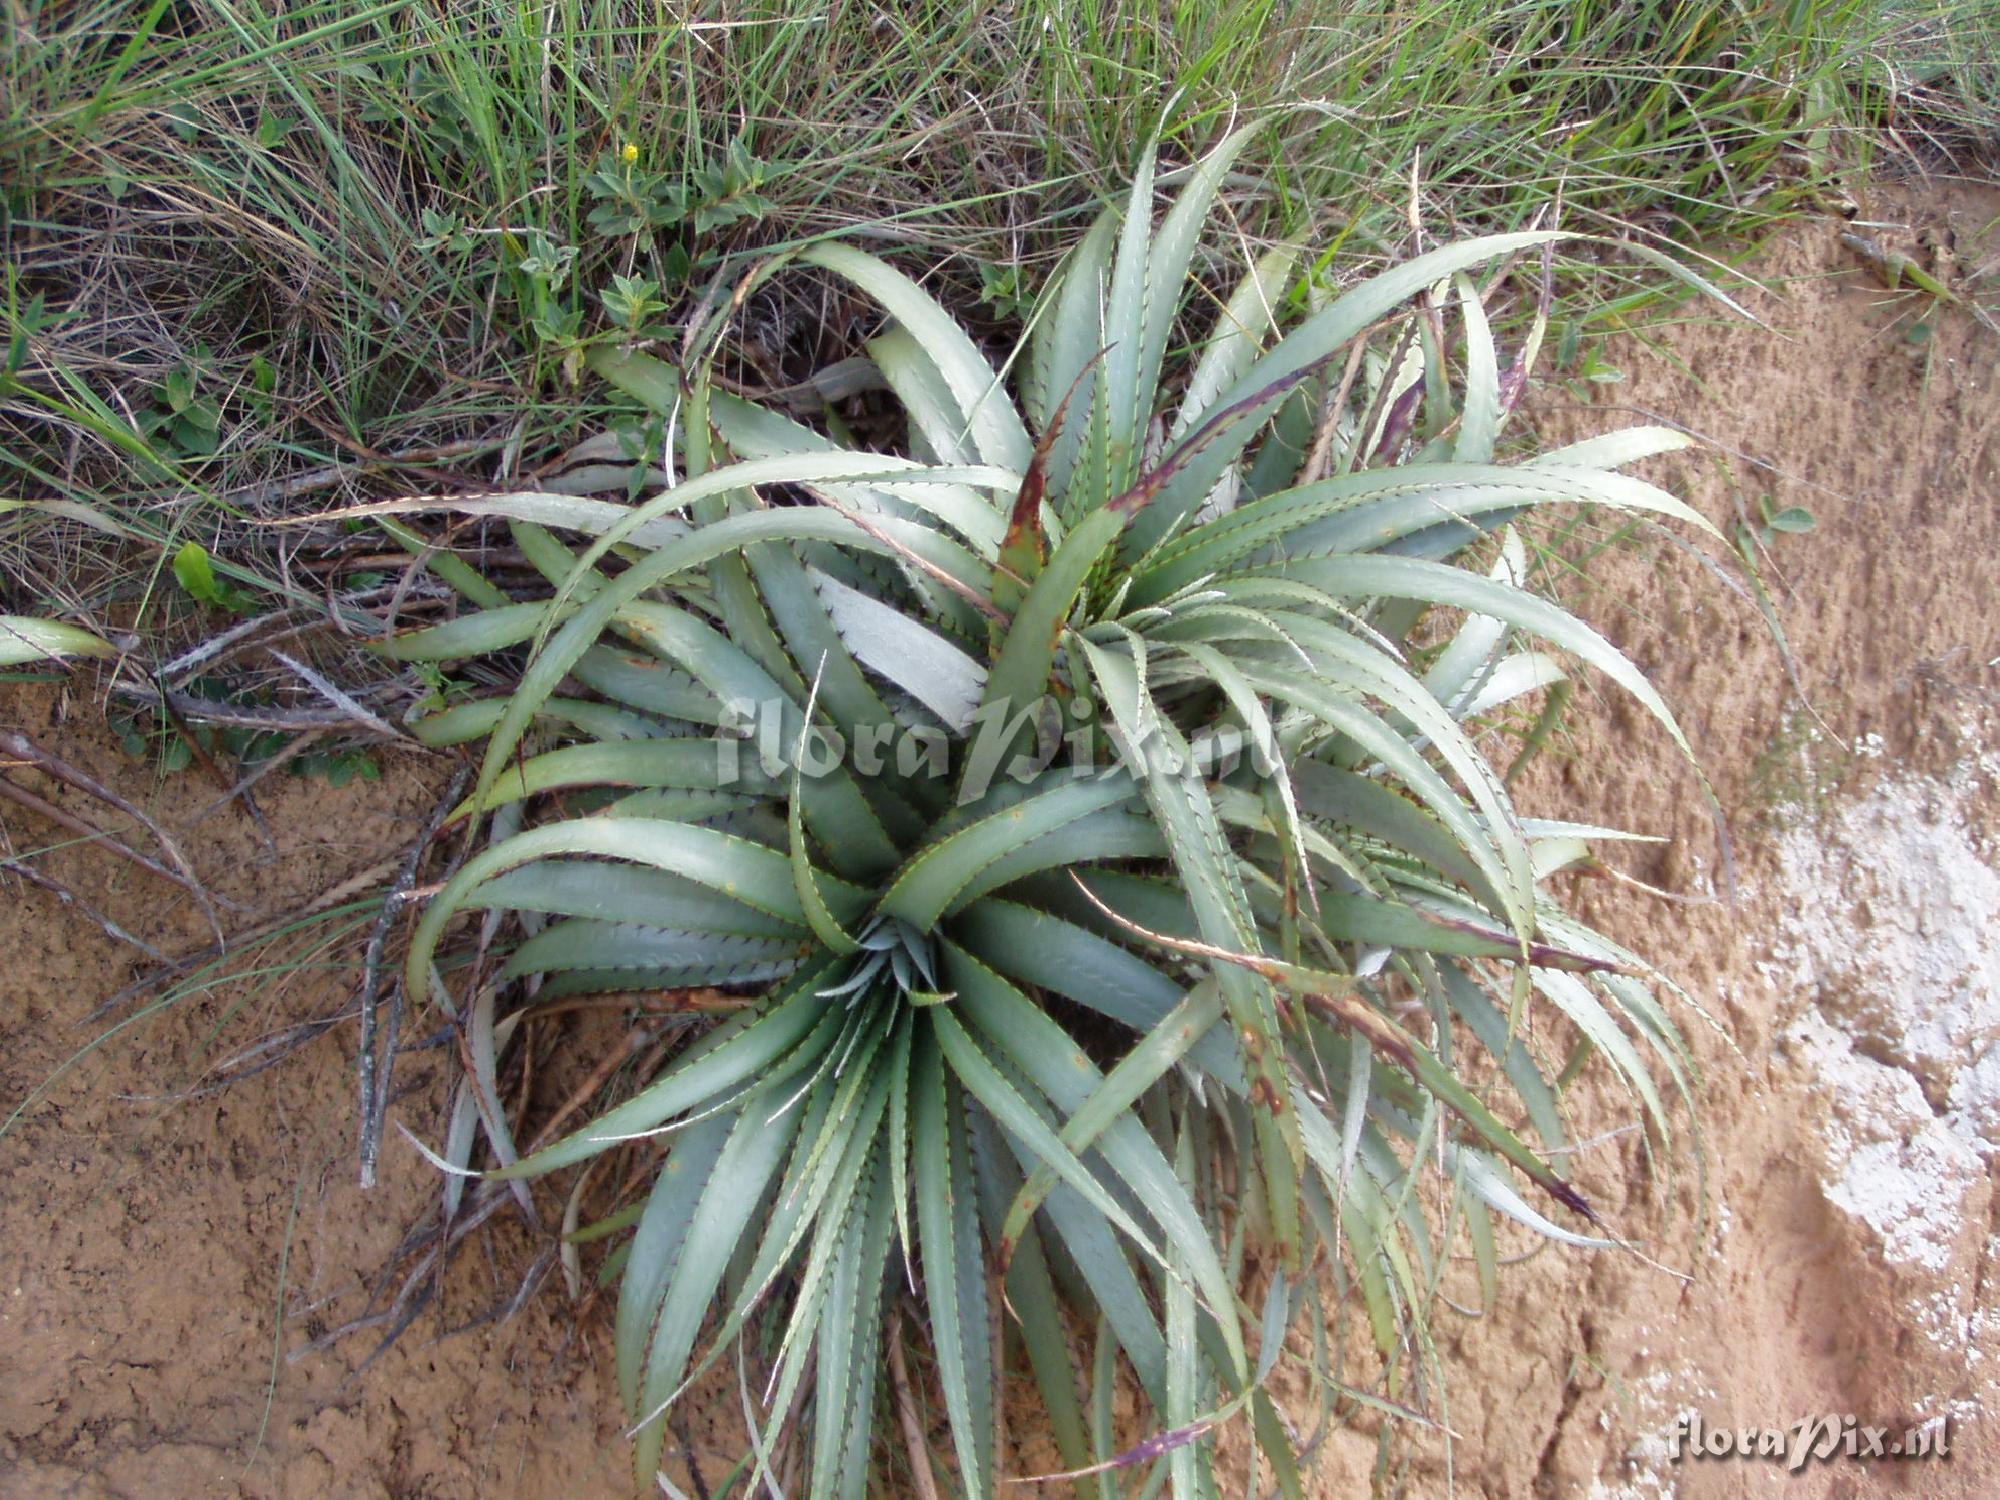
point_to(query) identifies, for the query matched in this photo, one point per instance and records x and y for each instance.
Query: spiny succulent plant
(1087, 805)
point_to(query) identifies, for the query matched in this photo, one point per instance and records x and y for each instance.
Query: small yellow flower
(628, 153)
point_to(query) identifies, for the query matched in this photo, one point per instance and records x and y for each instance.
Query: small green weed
(1001, 289)
(1799, 767)
(1777, 521)
(186, 421)
(632, 200)
(173, 744)
(196, 574)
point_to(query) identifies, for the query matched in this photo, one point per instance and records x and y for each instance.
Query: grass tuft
(260, 256)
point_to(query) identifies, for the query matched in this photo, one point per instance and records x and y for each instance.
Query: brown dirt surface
(146, 1243)
(1850, 1094)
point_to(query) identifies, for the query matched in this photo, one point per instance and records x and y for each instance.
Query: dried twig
(341, 613)
(906, 1413)
(25, 750)
(375, 1091)
(239, 715)
(69, 898)
(500, 1312)
(184, 664)
(635, 1042)
(63, 818)
(336, 697)
(433, 1246)
(701, 1489)
(257, 496)
(1321, 451)
(292, 750)
(258, 1057)
(172, 968)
